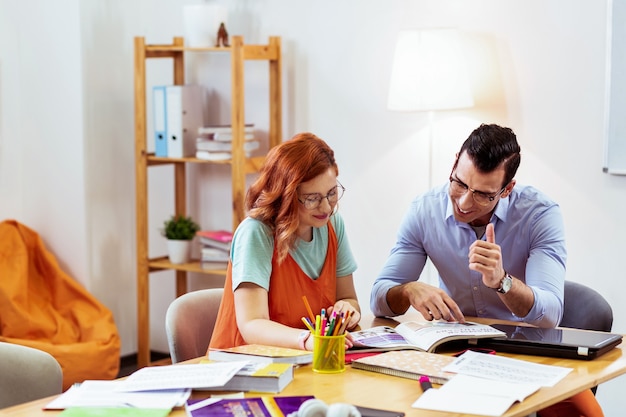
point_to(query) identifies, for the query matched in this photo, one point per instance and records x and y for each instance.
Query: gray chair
(27, 374)
(189, 323)
(584, 308)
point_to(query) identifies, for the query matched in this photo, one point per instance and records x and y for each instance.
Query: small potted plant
(179, 232)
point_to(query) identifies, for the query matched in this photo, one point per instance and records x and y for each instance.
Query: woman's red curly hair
(273, 197)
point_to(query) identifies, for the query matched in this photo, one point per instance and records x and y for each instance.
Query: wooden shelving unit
(240, 165)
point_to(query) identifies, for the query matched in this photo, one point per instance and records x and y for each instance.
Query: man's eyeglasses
(457, 187)
(313, 201)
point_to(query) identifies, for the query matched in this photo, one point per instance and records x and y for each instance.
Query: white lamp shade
(429, 72)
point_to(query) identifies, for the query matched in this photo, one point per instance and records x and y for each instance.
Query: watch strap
(302, 338)
(503, 289)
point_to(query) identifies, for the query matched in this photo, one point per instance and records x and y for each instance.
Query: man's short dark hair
(489, 146)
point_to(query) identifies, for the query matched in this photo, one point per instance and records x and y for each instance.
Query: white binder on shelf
(185, 114)
(160, 121)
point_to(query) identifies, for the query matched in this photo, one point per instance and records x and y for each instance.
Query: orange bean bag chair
(44, 308)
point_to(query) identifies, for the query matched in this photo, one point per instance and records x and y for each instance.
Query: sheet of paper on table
(473, 395)
(488, 384)
(150, 387)
(506, 369)
(105, 394)
(199, 375)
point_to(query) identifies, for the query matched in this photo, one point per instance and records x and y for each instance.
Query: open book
(421, 336)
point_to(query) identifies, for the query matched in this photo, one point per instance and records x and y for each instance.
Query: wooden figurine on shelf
(222, 36)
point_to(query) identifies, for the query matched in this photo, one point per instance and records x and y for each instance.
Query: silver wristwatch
(505, 284)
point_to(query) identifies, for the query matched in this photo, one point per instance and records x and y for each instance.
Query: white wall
(66, 126)
(42, 173)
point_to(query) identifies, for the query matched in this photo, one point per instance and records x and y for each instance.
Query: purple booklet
(257, 406)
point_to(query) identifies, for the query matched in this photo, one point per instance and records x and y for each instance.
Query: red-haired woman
(292, 244)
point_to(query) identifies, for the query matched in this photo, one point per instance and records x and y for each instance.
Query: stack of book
(214, 143)
(259, 377)
(215, 246)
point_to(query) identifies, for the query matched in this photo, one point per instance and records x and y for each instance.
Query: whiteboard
(615, 145)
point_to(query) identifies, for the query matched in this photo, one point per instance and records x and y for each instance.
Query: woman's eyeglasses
(313, 201)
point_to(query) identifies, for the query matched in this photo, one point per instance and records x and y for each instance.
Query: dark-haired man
(498, 247)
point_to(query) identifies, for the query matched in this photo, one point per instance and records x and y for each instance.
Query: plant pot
(179, 251)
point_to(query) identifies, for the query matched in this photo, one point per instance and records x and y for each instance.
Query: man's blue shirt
(529, 229)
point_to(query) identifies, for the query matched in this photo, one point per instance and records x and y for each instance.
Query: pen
(338, 324)
(308, 325)
(318, 322)
(344, 322)
(425, 383)
(331, 324)
(308, 308)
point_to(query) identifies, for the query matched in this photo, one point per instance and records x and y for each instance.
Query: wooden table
(376, 390)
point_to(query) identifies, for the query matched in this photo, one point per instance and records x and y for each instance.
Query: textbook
(227, 137)
(217, 156)
(209, 254)
(267, 406)
(212, 145)
(219, 239)
(262, 353)
(217, 129)
(222, 236)
(259, 377)
(408, 364)
(427, 336)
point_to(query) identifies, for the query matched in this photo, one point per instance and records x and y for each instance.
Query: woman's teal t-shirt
(253, 247)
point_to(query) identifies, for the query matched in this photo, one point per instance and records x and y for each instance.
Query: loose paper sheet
(472, 395)
(507, 369)
(152, 387)
(488, 384)
(201, 375)
(105, 394)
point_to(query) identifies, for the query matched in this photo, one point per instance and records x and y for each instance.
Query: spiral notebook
(408, 364)
(560, 342)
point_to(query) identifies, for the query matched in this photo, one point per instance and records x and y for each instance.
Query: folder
(185, 114)
(160, 126)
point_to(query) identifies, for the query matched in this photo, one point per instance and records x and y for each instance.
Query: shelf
(252, 164)
(239, 165)
(250, 52)
(162, 263)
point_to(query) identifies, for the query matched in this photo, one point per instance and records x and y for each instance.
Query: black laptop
(560, 342)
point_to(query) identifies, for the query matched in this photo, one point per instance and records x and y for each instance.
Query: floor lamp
(429, 74)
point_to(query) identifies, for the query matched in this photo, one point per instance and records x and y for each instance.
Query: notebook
(559, 342)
